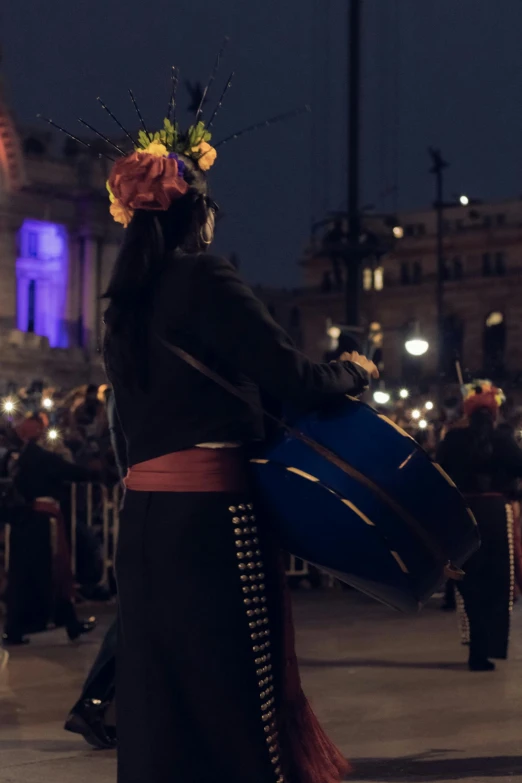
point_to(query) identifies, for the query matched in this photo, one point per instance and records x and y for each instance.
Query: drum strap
(324, 452)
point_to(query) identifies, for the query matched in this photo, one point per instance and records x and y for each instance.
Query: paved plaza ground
(393, 691)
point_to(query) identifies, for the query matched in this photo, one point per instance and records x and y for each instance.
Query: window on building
(417, 272)
(409, 230)
(378, 278)
(494, 345)
(457, 268)
(32, 244)
(421, 229)
(486, 265)
(368, 278)
(31, 306)
(459, 225)
(41, 281)
(500, 264)
(487, 221)
(500, 220)
(405, 273)
(452, 342)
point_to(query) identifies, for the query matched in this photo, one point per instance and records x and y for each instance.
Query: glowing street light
(417, 346)
(398, 232)
(404, 394)
(464, 200)
(53, 435)
(416, 414)
(47, 403)
(334, 332)
(423, 424)
(429, 406)
(381, 397)
(8, 406)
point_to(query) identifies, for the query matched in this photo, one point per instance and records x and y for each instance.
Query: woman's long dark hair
(149, 241)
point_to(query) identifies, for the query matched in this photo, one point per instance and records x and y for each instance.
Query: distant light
(52, 434)
(429, 406)
(334, 332)
(417, 346)
(47, 403)
(494, 319)
(416, 414)
(381, 397)
(423, 424)
(464, 200)
(398, 232)
(8, 406)
(404, 394)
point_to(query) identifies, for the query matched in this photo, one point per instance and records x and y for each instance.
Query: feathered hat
(161, 165)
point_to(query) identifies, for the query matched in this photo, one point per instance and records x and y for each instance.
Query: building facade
(482, 298)
(57, 247)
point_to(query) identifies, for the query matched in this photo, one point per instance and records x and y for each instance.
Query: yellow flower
(111, 194)
(157, 149)
(120, 213)
(207, 155)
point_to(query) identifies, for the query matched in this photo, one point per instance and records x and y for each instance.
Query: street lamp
(417, 346)
(464, 200)
(404, 394)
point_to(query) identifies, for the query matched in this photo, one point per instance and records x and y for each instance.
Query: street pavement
(392, 690)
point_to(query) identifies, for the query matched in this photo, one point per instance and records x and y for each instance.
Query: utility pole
(353, 258)
(437, 169)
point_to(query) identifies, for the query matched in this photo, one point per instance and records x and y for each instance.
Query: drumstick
(459, 373)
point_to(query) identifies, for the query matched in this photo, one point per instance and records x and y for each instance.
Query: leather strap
(323, 451)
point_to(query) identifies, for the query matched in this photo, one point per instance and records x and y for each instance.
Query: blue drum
(355, 495)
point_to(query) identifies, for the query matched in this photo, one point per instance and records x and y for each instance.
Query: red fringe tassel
(312, 757)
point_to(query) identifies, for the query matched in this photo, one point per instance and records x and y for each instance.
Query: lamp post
(437, 169)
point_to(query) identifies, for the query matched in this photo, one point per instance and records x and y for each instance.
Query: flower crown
(155, 172)
(482, 394)
(152, 177)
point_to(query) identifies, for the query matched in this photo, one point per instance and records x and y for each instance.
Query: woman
(206, 675)
(481, 461)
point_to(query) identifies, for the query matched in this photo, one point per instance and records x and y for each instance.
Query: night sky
(446, 73)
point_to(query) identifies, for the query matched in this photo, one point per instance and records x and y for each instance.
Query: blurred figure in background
(480, 459)
(40, 581)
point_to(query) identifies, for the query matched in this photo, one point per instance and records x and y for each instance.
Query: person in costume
(93, 715)
(207, 681)
(482, 460)
(41, 583)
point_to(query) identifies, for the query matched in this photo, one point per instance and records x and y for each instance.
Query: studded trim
(511, 546)
(251, 577)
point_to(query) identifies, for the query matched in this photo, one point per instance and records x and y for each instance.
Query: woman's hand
(362, 361)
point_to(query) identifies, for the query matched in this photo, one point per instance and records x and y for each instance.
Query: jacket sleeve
(240, 331)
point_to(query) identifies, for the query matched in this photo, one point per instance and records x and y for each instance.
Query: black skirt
(488, 586)
(199, 666)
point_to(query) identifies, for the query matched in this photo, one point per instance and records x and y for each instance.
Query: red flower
(143, 181)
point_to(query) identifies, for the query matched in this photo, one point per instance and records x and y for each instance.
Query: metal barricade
(104, 519)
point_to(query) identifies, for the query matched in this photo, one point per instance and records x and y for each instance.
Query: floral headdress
(160, 166)
(482, 394)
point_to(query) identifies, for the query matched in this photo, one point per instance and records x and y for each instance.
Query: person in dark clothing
(483, 462)
(207, 683)
(89, 716)
(40, 583)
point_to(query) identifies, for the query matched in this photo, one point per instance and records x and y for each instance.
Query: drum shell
(388, 531)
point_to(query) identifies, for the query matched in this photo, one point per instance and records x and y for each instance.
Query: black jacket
(203, 306)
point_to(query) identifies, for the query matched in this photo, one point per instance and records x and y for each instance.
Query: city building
(57, 246)
(482, 290)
